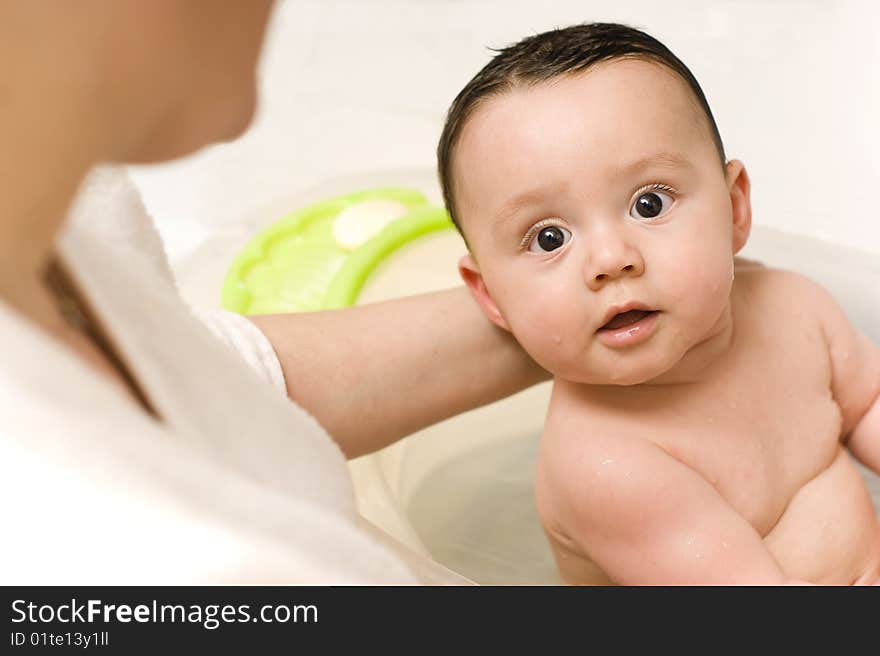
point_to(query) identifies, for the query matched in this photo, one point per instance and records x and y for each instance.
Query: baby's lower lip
(630, 334)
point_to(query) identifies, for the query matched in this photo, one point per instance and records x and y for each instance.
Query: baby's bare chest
(758, 431)
(758, 443)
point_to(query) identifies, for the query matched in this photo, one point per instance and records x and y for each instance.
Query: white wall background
(362, 85)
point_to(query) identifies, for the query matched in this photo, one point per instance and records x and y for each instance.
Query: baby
(705, 413)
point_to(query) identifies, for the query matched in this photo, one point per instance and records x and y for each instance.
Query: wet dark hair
(548, 55)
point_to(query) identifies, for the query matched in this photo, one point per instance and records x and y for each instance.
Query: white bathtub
(460, 492)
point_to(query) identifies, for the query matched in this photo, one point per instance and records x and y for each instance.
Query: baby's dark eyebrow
(520, 201)
(663, 160)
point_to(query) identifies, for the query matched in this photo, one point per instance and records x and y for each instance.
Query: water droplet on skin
(725, 545)
(557, 339)
(846, 355)
(608, 461)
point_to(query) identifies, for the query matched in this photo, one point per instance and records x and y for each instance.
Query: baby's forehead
(597, 119)
(623, 95)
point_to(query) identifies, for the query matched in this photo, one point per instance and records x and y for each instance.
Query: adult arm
(375, 373)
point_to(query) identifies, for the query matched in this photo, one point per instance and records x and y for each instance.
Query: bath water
(476, 514)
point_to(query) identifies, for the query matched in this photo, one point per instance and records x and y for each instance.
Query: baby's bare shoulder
(774, 281)
(758, 284)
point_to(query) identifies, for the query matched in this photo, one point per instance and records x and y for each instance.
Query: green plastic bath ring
(320, 256)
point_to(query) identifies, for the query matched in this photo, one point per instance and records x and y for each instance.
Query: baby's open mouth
(626, 319)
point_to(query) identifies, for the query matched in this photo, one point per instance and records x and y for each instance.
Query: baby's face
(601, 222)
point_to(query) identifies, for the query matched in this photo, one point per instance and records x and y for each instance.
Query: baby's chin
(619, 377)
(618, 369)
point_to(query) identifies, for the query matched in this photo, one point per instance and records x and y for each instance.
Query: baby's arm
(645, 518)
(855, 380)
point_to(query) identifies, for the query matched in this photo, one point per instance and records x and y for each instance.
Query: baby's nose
(612, 259)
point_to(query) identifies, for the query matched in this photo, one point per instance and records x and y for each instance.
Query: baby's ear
(470, 273)
(739, 187)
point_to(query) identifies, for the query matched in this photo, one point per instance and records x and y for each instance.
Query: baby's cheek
(696, 283)
(551, 334)
(710, 292)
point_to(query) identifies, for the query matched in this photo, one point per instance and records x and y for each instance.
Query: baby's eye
(650, 205)
(548, 239)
